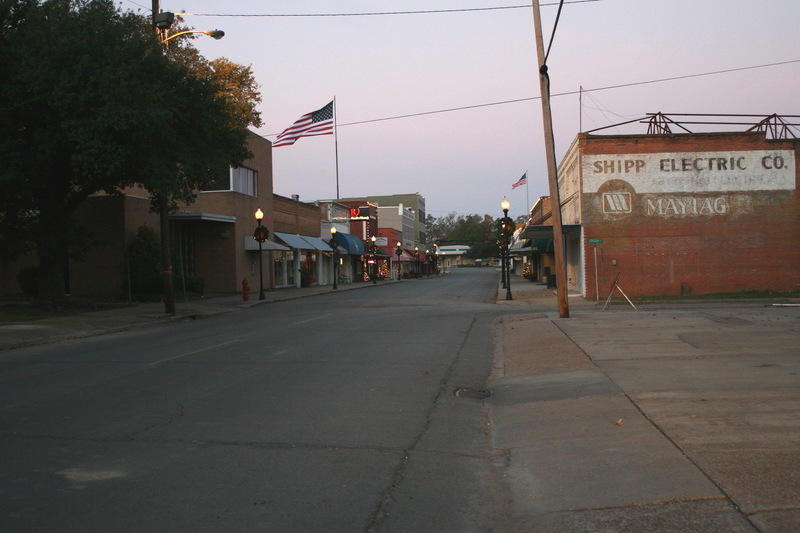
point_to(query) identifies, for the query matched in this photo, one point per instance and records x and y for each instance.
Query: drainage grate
(467, 392)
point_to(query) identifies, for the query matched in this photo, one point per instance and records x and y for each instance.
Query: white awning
(317, 243)
(251, 245)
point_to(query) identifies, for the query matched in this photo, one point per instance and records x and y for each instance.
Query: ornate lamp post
(399, 252)
(373, 249)
(416, 261)
(505, 205)
(335, 245)
(261, 234)
(427, 262)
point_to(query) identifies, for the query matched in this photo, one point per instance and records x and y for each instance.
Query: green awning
(542, 246)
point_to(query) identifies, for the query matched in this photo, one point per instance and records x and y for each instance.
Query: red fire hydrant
(245, 290)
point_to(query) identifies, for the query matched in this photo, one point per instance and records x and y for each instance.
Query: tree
(90, 103)
(480, 233)
(440, 228)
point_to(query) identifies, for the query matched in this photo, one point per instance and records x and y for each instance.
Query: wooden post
(552, 169)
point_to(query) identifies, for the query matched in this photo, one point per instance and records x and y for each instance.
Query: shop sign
(360, 213)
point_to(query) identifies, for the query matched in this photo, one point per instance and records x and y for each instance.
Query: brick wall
(703, 225)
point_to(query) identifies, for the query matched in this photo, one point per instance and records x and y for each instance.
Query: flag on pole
(319, 122)
(522, 181)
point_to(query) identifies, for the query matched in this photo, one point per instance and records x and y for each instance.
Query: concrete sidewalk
(678, 417)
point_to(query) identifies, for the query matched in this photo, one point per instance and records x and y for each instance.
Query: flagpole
(336, 145)
(527, 196)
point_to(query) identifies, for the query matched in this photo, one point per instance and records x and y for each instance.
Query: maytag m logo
(616, 202)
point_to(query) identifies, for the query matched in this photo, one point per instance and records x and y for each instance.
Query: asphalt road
(334, 413)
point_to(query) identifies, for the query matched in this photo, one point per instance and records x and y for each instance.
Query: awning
(403, 256)
(251, 245)
(537, 246)
(351, 243)
(206, 217)
(317, 243)
(546, 231)
(542, 246)
(294, 241)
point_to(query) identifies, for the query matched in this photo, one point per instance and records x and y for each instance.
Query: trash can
(551, 281)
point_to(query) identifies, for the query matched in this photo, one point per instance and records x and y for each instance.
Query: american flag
(522, 181)
(319, 122)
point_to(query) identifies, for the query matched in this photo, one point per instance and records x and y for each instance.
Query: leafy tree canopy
(90, 102)
(480, 233)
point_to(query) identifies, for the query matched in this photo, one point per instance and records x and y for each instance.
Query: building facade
(672, 214)
(413, 202)
(211, 239)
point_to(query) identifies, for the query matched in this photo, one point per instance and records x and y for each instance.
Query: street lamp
(374, 249)
(214, 34)
(399, 252)
(261, 234)
(416, 261)
(334, 244)
(162, 22)
(505, 205)
(428, 262)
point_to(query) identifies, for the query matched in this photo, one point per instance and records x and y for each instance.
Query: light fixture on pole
(505, 205)
(374, 250)
(399, 252)
(261, 234)
(214, 34)
(334, 243)
(162, 22)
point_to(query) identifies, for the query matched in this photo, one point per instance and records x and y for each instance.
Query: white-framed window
(239, 179)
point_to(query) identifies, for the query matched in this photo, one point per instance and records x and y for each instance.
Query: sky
(470, 82)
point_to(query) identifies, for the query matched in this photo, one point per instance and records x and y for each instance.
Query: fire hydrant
(245, 290)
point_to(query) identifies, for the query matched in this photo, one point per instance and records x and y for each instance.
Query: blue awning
(294, 241)
(351, 243)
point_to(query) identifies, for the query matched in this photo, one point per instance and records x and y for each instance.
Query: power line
(567, 93)
(428, 12)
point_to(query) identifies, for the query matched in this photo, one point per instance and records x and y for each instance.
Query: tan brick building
(211, 238)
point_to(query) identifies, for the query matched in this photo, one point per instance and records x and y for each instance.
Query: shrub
(28, 279)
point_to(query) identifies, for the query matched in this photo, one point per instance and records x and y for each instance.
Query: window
(239, 179)
(243, 180)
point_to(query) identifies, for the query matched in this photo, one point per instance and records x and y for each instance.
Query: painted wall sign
(692, 172)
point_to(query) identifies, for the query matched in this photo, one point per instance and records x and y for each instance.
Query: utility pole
(552, 168)
(163, 211)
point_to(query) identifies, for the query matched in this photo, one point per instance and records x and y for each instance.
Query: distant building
(413, 202)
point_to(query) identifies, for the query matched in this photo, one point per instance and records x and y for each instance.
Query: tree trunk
(52, 253)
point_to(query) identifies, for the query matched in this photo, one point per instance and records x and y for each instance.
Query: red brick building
(673, 214)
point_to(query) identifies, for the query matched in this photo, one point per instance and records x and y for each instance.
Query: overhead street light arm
(214, 34)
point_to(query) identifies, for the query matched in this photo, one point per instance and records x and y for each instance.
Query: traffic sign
(594, 240)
